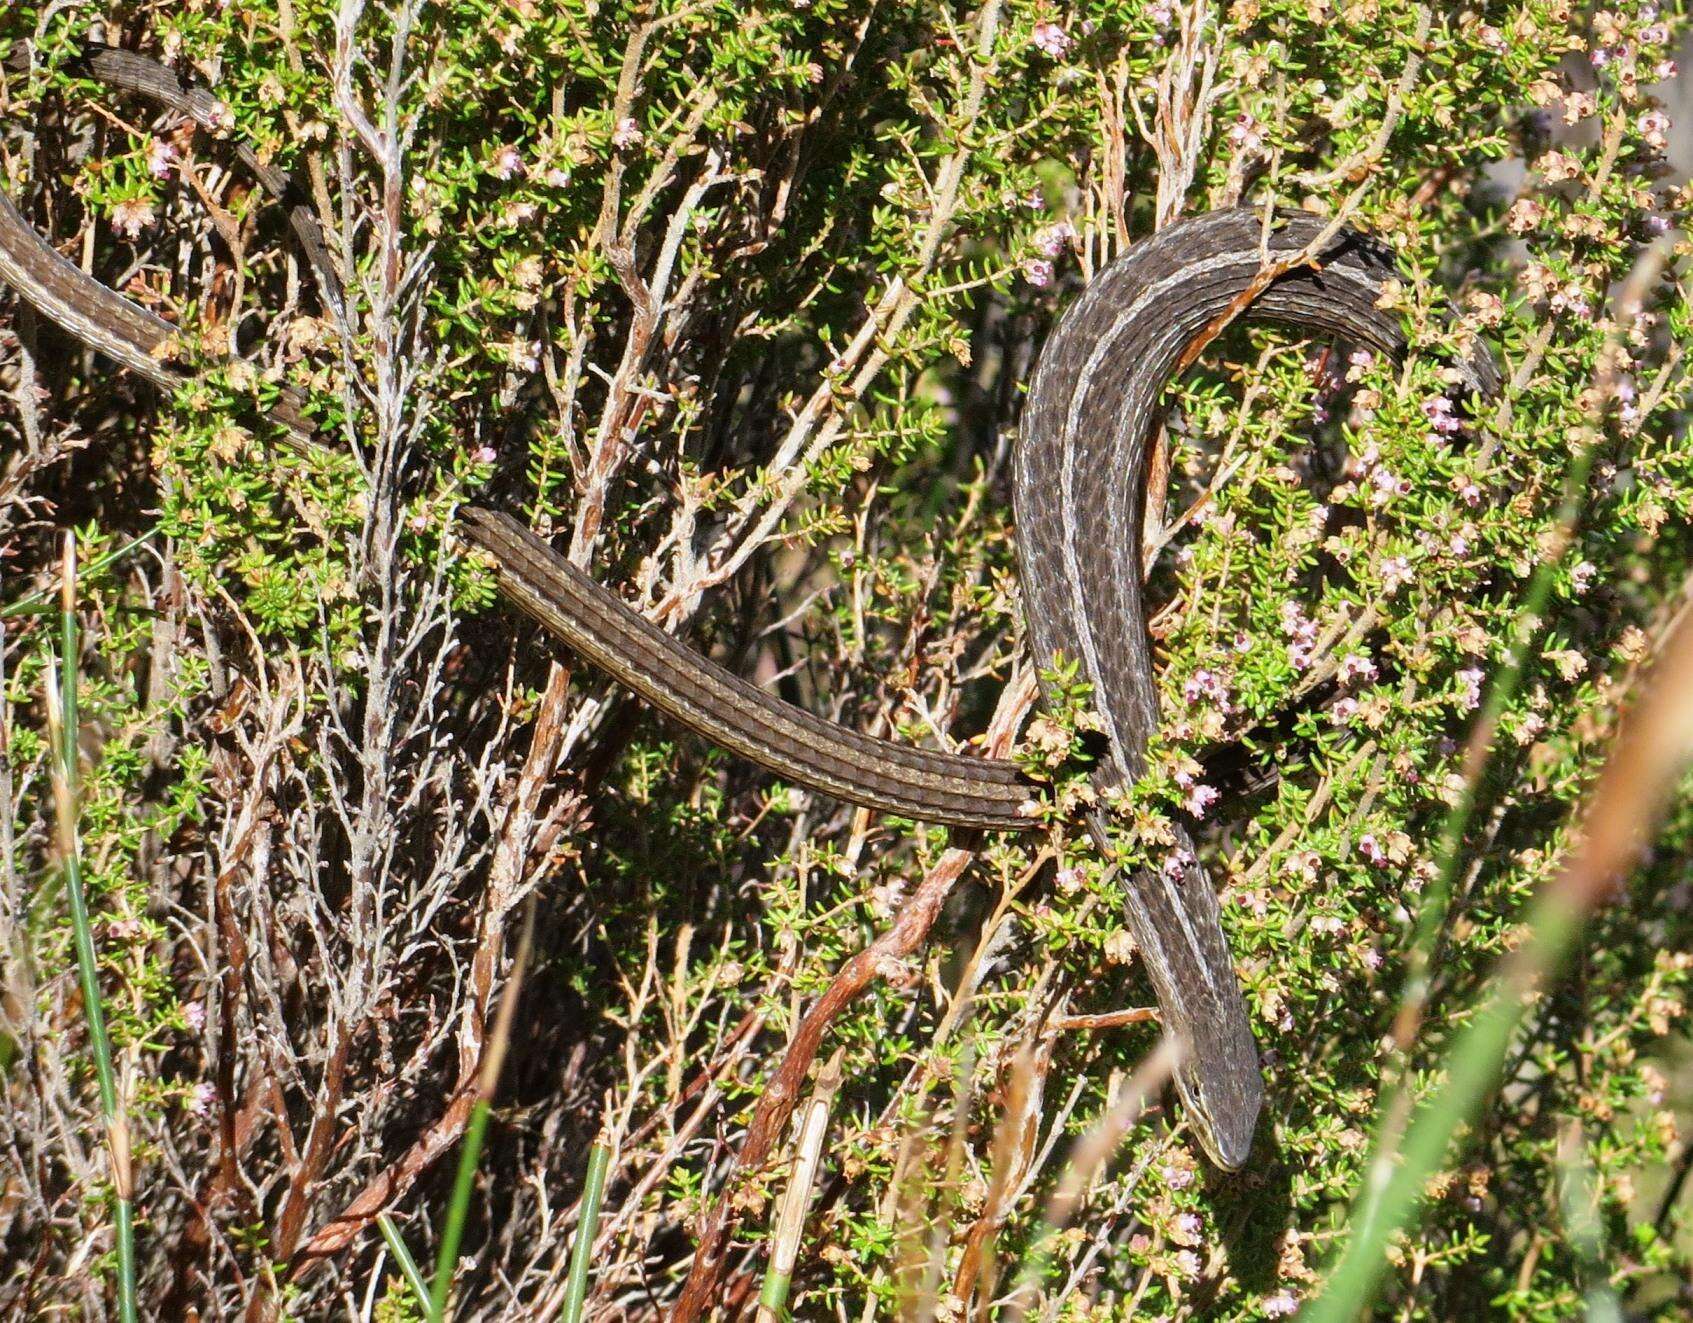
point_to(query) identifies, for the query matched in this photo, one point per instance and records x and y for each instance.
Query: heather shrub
(736, 304)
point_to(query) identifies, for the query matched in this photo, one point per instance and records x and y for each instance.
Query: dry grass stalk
(790, 1222)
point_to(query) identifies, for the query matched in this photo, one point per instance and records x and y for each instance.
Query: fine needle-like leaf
(63, 726)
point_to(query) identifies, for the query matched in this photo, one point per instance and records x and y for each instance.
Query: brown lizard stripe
(1079, 491)
(916, 783)
(152, 81)
(79, 304)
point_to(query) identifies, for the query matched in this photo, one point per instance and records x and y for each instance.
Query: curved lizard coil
(1079, 494)
(1079, 487)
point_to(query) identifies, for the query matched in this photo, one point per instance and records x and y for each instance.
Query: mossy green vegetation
(737, 303)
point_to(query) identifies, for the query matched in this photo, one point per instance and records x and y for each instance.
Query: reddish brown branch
(388, 1185)
(908, 932)
(910, 929)
(1107, 1020)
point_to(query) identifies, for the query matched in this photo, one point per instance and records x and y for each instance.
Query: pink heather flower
(1068, 880)
(1395, 573)
(558, 177)
(1200, 798)
(1440, 416)
(1052, 241)
(1177, 1178)
(1052, 40)
(1177, 863)
(628, 133)
(1655, 35)
(1303, 634)
(1372, 957)
(1328, 925)
(1189, 1226)
(1469, 688)
(1469, 493)
(1386, 482)
(162, 158)
(131, 217)
(1281, 1304)
(1582, 576)
(1572, 299)
(1371, 849)
(1246, 133)
(1038, 272)
(1243, 643)
(1161, 12)
(1343, 711)
(1295, 623)
(194, 1016)
(1356, 666)
(506, 163)
(1599, 57)
(1459, 545)
(1187, 1263)
(1665, 70)
(1206, 684)
(1654, 126)
(201, 1100)
(485, 455)
(1524, 215)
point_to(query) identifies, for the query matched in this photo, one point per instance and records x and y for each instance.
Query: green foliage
(854, 227)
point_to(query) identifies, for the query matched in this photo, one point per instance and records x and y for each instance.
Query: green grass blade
(1372, 1220)
(587, 1228)
(1473, 1068)
(38, 603)
(402, 1255)
(1646, 760)
(62, 706)
(1578, 1203)
(458, 1210)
